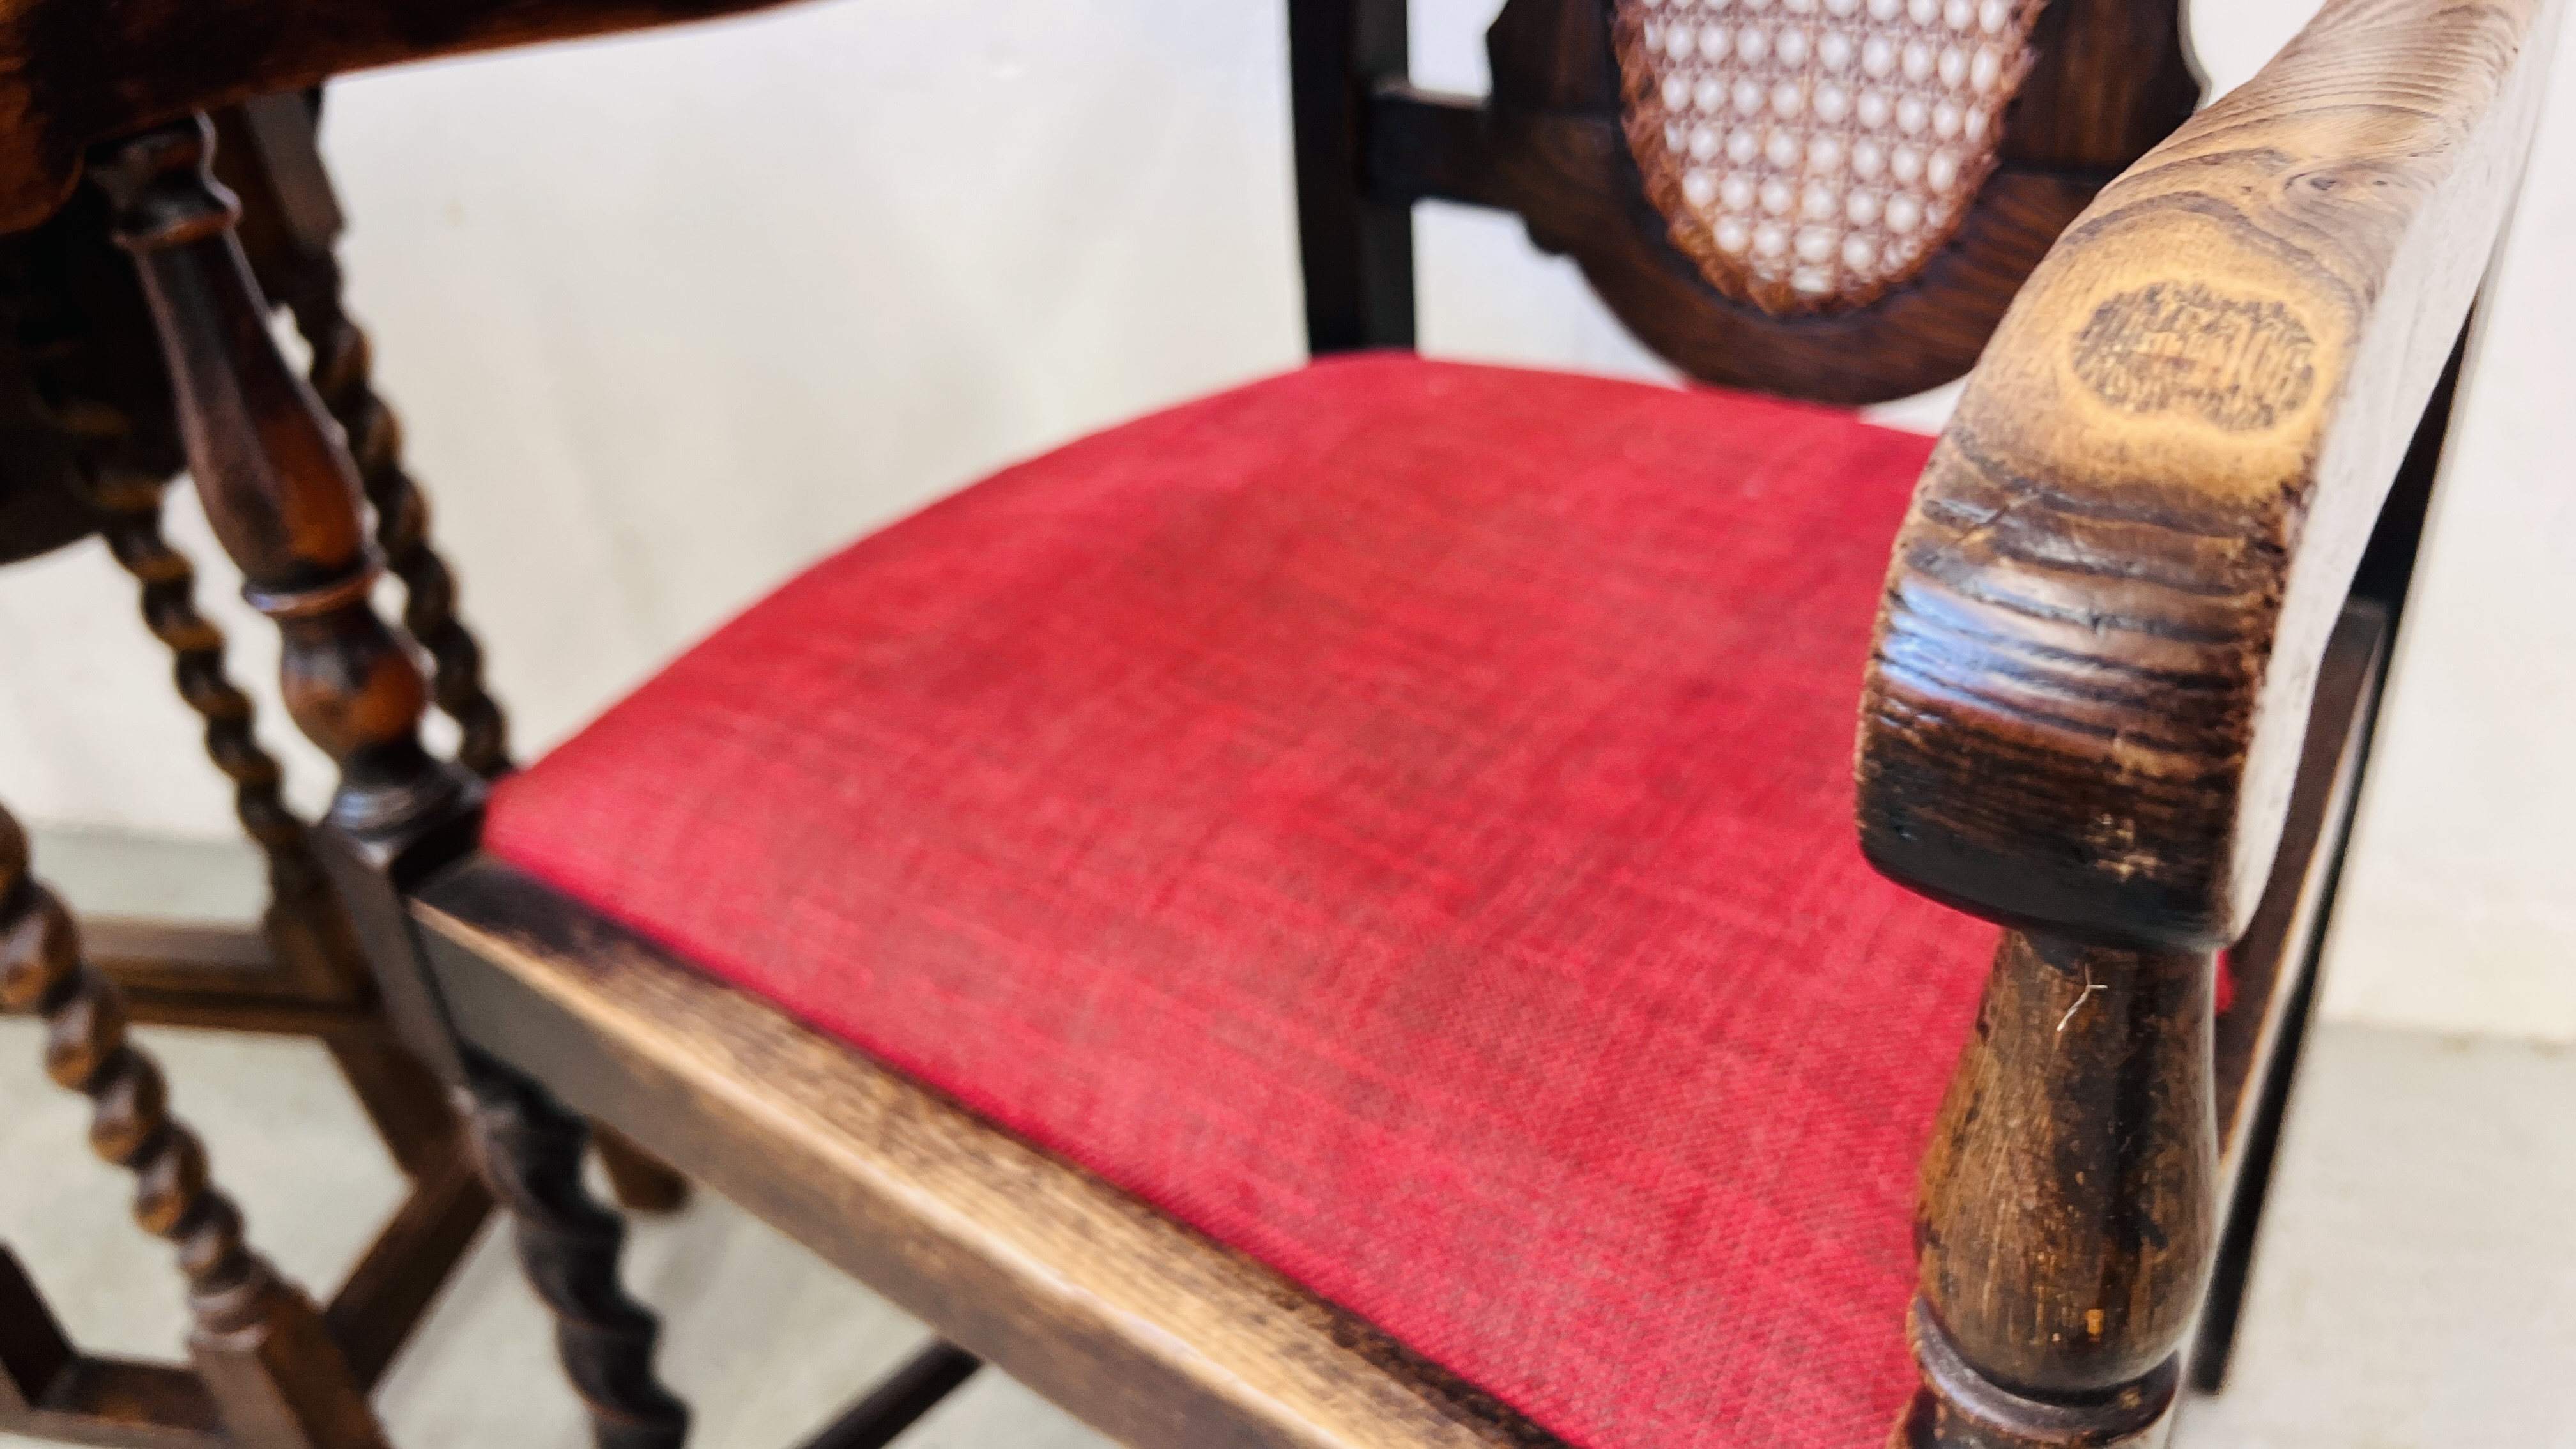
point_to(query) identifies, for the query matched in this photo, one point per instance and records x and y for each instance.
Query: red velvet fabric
(1396, 818)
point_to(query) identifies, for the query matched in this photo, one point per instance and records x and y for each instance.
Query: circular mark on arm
(2239, 364)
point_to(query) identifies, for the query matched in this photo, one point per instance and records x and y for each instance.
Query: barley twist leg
(305, 920)
(260, 1346)
(343, 368)
(531, 1147)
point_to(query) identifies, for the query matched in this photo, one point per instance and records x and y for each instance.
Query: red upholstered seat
(1396, 818)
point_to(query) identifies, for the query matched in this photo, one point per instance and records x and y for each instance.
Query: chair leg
(343, 377)
(309, 934)
(915, 1388)
(530, 1146)
(282, 494)
(2068, 1209)
(642, 1182)
(408, 1108)
(259, 1345)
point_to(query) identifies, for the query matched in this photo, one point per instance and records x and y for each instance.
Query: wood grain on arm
(2102, 627)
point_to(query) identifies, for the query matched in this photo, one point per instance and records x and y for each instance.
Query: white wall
(669, 317)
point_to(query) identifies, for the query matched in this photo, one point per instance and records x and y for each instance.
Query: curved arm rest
(77, 72)
(2106, 611)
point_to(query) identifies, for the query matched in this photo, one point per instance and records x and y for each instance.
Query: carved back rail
(1833, 199)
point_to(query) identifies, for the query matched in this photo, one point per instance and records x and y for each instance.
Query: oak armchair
(1326, 916)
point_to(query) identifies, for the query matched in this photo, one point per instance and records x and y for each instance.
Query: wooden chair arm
(2104, 619)
(76, 72)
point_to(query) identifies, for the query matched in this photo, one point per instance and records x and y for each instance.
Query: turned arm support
(2096, 654)
(2108, 606)
(282, 494)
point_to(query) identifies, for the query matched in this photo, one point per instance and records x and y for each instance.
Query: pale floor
(2415, 1288)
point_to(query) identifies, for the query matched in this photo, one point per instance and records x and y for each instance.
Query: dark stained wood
(34, 1350)
(2258, 1043)
(2279, 950)
(311, 955)
(84, 72)
(407, 1106)
(278, 488)
(278, 167)
(2083, 1102)
(530, 1149)
(1155, 1336)
(2104, 622)
(896, 1404)
(153, 954)
(1564, 174)
(385, 1296)
(82, 389)
(49, 1390)
(2103, 687)
(1356, 249)
(260, 1349)
(282, 495)
(2387, 566)
(1550, 144)
(2379, 592)
(296, 265)
(101, 415)
(640, 1181)
(2115, 78)
(2097, 585)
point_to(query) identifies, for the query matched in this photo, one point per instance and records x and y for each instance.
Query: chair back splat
(1830, 199)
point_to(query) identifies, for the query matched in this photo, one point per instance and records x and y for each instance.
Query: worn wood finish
(1135, 1324)
(2100, 647)
(779, 1117)
(312, 956)
(282, 495)
(895, 1405)
(2311, 848)
(81, 385)
(390, 1290)
(85, 72)
(50, 1390)
(2103, 625)
(2257, 1043)
(292, 246)
(2278, 951)
(279, 173)
(530, 1148)
(1356, 248)
(262, 1354)
(2107, 612)
(2084, 1102)
(1550, 144)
